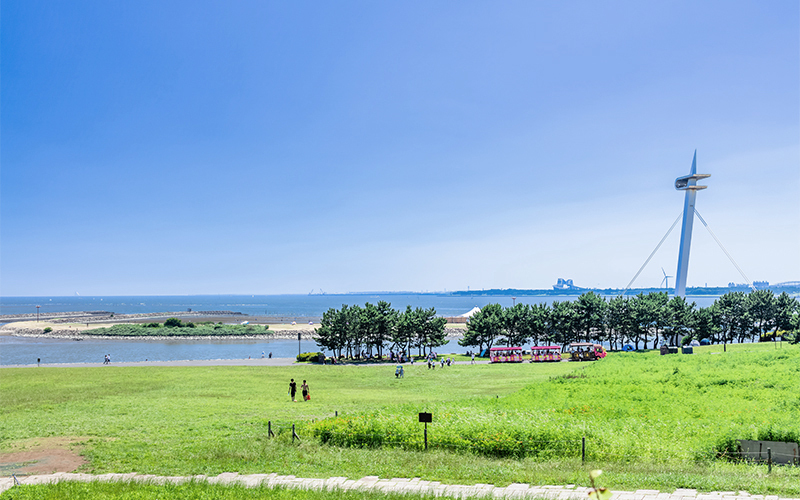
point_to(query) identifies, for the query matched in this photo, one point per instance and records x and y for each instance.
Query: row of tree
(734, 317)
(353, 330)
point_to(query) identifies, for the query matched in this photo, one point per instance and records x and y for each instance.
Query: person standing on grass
(293, 390)
(306, 391)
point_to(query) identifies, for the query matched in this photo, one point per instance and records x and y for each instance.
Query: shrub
(173, 322)
(308, 356)
(189, 325)
(152, 325)
(48, 330)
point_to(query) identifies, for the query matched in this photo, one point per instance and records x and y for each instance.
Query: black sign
(426, 417)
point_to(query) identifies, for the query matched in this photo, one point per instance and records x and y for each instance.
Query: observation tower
(687, 183)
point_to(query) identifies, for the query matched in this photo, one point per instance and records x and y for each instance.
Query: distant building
(761, 285)
(563, 284)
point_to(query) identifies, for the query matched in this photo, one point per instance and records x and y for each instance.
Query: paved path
(223, 362)
(374, 483)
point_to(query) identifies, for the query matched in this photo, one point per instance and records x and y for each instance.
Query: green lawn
(650, 421)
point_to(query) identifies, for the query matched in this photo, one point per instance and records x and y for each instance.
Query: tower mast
(687, 183)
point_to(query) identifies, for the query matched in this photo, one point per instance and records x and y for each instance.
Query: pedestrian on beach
(270, 355)
(293, 390)
(262, 354)
(306, 391)
(38, 361)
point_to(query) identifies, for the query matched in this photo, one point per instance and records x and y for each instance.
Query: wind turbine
(666, 278)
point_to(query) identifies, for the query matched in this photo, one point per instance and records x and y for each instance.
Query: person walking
(293, 390)
(306, 391)
(473, 358)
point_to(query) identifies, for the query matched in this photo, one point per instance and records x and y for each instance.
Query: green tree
(332, 331)
(432, 332)
(563, 323)
(173, 323)
(704, 325)
(590, 310)
(538, 321)
(681, 315)
(408, 324)
(730, 314)
(385, 325)
(517, 325)
(761, 310)
(618, 320)
(786, 309)
(642, 315)
(483, 328)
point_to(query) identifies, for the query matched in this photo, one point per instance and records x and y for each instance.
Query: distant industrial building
(761, 285)
(563, 284)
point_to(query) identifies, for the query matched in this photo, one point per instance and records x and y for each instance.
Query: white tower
(687, 183)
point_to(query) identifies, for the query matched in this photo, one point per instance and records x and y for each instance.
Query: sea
(300, 308)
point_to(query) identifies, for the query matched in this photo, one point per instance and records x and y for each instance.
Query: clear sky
(156, 147)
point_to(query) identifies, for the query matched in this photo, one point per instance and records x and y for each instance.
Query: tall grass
(650, 421)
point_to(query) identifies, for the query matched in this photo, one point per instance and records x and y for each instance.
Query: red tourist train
(505, 354)
(540, 354)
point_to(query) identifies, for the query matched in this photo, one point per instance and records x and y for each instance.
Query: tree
(786, 309)
(385, 325)
(563, 323)
(680, 319)
(590, 311)
(517, 325)
(408, 324)
(483, 328)
(173, 323)
(731, 316)
(332, 331)
(538, 321)
(618, 320)
(431, 333)
(641, 315)
(761, 309)
(660, 314)
(704, 325)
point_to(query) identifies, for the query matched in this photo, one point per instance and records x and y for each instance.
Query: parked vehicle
(505, 354)
(540, 354)
(583, 351)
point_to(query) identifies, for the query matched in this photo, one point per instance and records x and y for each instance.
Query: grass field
(650, 421)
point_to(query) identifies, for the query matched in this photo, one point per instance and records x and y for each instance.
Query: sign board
(426, 417)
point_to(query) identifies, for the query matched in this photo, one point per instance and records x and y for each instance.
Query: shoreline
(74, 331)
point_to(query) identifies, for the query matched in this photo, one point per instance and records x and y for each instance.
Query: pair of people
(306, 391)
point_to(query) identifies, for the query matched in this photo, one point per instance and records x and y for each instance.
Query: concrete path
(374, 483)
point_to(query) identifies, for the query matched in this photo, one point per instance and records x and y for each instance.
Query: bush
(152, 325)
(309, 356)
(173, 322)
(189, 325)
(48, 330)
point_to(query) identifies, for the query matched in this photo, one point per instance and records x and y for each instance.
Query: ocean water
(284, 306)
(25, 350)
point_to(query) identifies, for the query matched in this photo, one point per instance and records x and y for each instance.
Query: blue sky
(279, 147)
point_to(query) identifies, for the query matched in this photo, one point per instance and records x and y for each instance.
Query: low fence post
(769, 460)
(583, 449)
